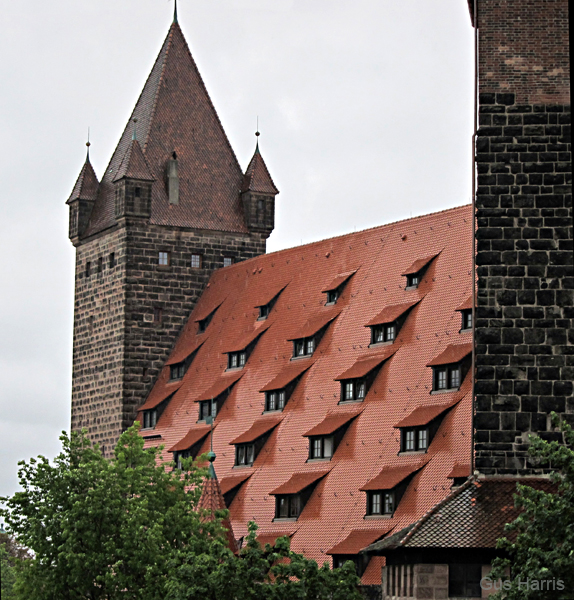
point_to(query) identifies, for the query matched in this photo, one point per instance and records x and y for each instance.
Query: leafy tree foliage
(10, 553)
(129, 528)
(544, 547)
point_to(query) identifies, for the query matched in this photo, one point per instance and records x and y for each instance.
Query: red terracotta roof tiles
(267, 295)
(390, 477)
(134, 165)
(257, 178)
(194, 435)
(159, 395)
(418, 264)
(389, 314)
(220, 386)
(334, 421)
(299, 481)
(231, 482)
(451, 354)
(272, 536)
(184, 351)
(459, 470)
(247, 338)
(365, 364)
(371, 443)
(86, 186)
(359, 539)
(259, 428)
(466, 305)
(423, 415)
(339, 280)
(315, 324)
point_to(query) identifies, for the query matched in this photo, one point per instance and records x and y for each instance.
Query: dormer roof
(257, 178)
(86, 187)
(174, 113)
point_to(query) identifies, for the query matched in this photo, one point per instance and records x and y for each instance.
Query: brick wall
(523, 49)
(128, 317)
(524, 316)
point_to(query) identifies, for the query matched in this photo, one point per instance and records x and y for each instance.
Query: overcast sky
(365, 112)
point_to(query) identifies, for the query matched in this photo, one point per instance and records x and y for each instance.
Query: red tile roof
(423, 415)
(389, 314)
(459, 470)
(371, 443)
(451, 354)
(194, 435)
(158, 395)
(134, 165)
(212, 501)
(86, 186)
(365, 364)
(299, 481)
(389, 478)
(272, 536)
(339, 280)
(267, 295)
(289, 373)
(174, 113)
(231, 482)
(419, 264)
(359, 539)
(334, 420)
(247, 338)
(257, 178)
(209, 310)
(184, 351)
(259, 428)
(220, 386)
(466, 305)
(315, 324)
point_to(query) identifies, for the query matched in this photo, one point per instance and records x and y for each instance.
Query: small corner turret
(133, 183)
(258, 195)
(81, 200)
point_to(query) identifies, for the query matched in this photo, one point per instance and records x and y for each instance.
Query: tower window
(260, 210)
(164, 259)
(466, 319)
(100, 264)
(196, 261)
(303, 347)
(227, 261)
(157, 314)
(138, 192)
(321, 447)
(112, 260)
(236, 360)
(275, 400)
(88, 268)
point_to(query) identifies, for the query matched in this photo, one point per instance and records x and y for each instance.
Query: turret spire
(175, 12)
(88, 146)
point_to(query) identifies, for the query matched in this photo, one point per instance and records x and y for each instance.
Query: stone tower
(172, 206)
(524, 314)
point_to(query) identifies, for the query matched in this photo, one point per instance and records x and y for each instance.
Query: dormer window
(450, 367)
(291, 497)
(303, 347)
(266, 302)
(149, 418)
(386, 325)
(357, 380)
(414, 439)
(383, 333)
(152, 410)
(416, 271)
(249, 444)
(212, 400)
(321, 447)
(384, 492)
(207, 408)
(336, 287)
(466, 319)
(177, 371)
(190, 445)
(275, 400)
(204, 321)
(236, 360)
(353, 389)
(264, 311)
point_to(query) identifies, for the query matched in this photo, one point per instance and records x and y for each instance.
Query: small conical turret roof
(212, 500)
(134, 165)
(257, 178)
(87, 184)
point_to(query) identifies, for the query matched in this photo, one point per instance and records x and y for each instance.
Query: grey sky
(365, 112)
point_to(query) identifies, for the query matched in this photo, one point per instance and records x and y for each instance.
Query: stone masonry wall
(523, 49)
(128, 317)
(524, 315)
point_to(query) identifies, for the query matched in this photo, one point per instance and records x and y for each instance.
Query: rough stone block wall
(127, 318)
(523, 49)
(524, 315)
(415, 582)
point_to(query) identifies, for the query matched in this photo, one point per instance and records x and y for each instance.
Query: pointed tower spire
(212, 499)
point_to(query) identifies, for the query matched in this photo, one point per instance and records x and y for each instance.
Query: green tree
(129, 528)
(11, 552)
(543, 549)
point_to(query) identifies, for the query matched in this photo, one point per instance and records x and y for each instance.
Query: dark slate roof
(257, 177)
(175, 114)
(86, 187)
(473, 516)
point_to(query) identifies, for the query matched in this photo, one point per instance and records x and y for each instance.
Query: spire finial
(257, 134)
(211, 454)
(175, 12)
(88, 147)
(135, 133)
